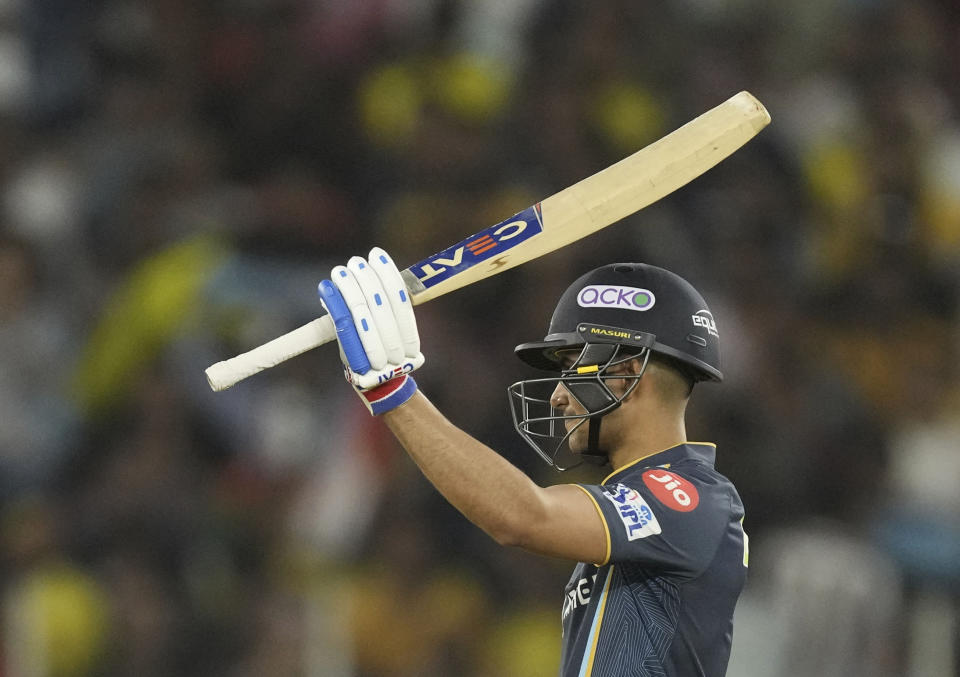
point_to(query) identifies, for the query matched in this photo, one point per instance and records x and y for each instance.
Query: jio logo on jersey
(611, 296)
(672, 490)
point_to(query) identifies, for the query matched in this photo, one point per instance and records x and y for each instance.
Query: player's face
(567, 405)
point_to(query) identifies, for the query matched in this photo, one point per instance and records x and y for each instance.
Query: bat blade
(575, 212)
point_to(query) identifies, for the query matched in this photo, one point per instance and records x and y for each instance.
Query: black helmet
(632, 298)
(615, 313)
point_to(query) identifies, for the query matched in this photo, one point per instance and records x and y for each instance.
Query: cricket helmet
(610, 315)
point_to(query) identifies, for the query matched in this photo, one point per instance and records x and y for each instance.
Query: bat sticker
(486, 244)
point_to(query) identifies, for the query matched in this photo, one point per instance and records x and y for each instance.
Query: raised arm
(560, 521)
(381, 347)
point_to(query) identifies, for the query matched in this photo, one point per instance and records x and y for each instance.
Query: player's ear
(634, 365)
(631, 367)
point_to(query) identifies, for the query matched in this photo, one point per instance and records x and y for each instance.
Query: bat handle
(224, 374)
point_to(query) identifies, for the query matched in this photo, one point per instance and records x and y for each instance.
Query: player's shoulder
(674, 508)
(685, 481)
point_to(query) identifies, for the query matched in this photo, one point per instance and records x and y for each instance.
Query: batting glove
(376, 329)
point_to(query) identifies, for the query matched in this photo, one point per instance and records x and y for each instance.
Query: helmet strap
(593, 454)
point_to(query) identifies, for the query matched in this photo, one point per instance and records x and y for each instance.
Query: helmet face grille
(546, 428)
(542, 425)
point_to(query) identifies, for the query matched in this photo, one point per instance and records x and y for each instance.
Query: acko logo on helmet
(610, 296)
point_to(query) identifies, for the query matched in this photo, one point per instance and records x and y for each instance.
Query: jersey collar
(705, 452)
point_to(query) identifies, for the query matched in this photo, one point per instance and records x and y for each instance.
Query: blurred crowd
(176, 176)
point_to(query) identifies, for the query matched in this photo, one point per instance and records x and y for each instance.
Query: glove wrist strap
(390, 395)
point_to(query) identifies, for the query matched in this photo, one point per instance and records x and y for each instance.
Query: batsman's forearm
(490, 491)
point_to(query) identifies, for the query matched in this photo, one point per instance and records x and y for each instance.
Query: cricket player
(659, 547)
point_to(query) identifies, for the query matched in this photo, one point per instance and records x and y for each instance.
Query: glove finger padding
(356, 365)
(380, 310)
(400, 303)
(363, 320)
(351, 347)
(376, 329)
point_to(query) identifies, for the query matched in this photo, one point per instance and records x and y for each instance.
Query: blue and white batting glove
(376, 329)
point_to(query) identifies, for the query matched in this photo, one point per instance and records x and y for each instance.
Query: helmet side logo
(611, 296)
(704, 318)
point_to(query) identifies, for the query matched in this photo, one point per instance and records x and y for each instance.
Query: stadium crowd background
(176, 176)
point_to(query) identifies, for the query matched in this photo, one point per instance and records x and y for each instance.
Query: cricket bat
(575, 212)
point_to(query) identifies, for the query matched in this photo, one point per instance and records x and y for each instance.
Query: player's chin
(579, 437)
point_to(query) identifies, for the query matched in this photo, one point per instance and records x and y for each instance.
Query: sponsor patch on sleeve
(637, 517)
(672, 490)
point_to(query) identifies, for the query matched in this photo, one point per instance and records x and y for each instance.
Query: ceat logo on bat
(637, 517)
(672, 490)
(486, 244)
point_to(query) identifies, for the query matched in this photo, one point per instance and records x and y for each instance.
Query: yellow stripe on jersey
(586, 669)
(606, 529)
(746, 545)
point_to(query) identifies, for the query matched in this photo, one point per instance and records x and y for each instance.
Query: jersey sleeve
(665, 519)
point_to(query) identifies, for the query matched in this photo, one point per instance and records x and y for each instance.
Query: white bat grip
(224, 374)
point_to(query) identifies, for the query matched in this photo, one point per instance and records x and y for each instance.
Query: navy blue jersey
(662, 601)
